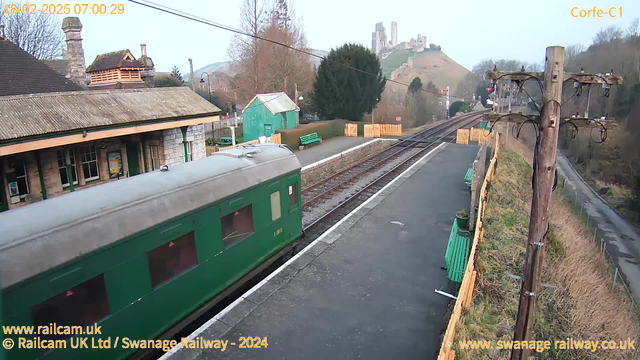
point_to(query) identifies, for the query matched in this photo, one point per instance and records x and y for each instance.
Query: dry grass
(583, 306)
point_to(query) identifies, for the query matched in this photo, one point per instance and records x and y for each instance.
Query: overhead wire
(204, 21)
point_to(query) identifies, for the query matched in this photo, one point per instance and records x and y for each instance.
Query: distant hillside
(227, 68)
(316, 61)
(223, 66)
(429, 65)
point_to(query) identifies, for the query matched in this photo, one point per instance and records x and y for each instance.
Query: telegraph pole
(549, 122)
(541, 200)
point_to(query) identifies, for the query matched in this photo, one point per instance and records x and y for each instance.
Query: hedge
(325, 129)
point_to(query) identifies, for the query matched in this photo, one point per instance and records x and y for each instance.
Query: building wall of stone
(174, 148)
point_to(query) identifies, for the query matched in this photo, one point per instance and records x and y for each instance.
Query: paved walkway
(328, 148)
(364, 289)
(620, 235)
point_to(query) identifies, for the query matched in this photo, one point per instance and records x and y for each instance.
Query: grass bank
(580, 302)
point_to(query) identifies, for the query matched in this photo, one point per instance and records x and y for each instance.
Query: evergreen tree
(416, 85)
(342, 92)
(175, 72)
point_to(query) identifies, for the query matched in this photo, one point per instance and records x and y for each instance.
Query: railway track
(324, 203)
(409, 151)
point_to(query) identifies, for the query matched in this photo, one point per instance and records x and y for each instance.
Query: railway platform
(365, 288)
(328, 148)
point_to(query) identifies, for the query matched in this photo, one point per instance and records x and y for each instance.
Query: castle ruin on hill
(379, 40)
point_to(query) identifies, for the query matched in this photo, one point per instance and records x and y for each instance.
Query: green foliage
(416, 85)
(166, 81)
(175, 73)
(459, 106)
(482, 92)
(341, 92)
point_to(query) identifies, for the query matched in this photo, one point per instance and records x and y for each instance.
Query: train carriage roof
(43, 235)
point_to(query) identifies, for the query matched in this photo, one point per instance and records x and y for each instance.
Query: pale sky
(467, 30)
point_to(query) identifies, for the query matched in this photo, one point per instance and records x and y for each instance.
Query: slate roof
(23, 116)
(22, 73)
(113, 60)
(275, 102)
(59, 65)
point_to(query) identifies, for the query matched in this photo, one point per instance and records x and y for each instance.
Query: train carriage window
(237, 226)
(171, 259)
(275, 206)
(82, 305)
(293, 195)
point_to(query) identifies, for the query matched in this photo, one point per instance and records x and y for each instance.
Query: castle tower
(394, 34)
(74, 55)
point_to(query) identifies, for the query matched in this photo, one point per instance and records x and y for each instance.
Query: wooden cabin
(118, 69)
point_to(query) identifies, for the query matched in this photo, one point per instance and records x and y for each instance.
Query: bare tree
(634, 28)
(264, 66)
(245, 52)
(38, 34)
(609, 34)
(571, 52)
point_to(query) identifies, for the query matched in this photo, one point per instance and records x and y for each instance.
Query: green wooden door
(132, 159)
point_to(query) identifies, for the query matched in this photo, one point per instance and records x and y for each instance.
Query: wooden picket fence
(479, 135)
(462, 136)
(378, 130)
(351, 130)
(391, 129)
(465, 293)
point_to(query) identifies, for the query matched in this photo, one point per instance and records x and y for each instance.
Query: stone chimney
(74, 55)
(149, 69)
(143, 49)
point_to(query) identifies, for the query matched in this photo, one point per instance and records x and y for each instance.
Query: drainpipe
(184, 142)
(41, 175)
(67, 159)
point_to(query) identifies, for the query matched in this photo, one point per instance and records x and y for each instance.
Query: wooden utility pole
(541, 201)
(544, 176)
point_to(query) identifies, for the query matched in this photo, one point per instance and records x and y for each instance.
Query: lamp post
(208, 83)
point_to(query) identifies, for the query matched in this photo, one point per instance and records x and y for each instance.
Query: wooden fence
(479, 135)
(466, 288)
(377, 130)
(462, 136)
(391, 129)
(351, 130)
(276, 139)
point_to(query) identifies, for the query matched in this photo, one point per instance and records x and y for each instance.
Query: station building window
(90, 163)
(237, 226)
(171, 259)
(293, 195)
(21, 177)
(275, 206)
(62, 168)
(82, 305)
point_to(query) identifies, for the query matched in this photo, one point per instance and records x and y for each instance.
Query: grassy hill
(429, 65)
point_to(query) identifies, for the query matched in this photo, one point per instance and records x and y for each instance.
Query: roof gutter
(83, 135)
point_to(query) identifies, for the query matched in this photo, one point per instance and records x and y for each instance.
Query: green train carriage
(136, 256)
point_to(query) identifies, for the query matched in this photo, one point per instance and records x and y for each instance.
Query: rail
(384, 175)
(465, 294)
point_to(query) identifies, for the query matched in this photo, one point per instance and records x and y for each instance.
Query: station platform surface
(365, 288)
(328, 148)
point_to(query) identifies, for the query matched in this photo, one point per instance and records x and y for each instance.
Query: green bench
(469, 175)
(225, 141)
(310, 139)
(457, 253)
